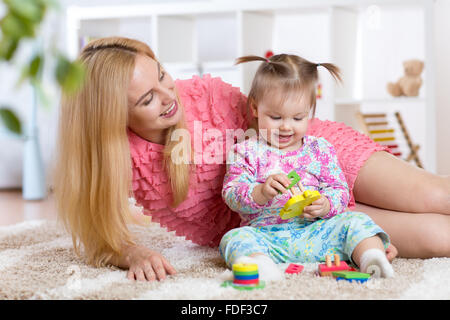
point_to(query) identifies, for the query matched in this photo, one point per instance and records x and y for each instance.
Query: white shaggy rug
(37, 262)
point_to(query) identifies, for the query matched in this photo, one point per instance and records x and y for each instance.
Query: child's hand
(265, 192)
(317, 209)
(273, 184)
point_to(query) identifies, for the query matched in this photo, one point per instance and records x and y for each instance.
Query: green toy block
(351, 275)
(245, 273)
(229, 283)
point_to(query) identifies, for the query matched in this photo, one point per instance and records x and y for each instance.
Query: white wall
(442, 50)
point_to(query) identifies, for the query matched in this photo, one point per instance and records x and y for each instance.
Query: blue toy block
(351, 280)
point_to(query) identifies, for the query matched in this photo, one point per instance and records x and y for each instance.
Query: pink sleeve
(352, 147)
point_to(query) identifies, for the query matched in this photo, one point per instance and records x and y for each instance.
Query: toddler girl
(282, 98)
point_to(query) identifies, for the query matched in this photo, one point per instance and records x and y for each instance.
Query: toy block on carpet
(294, 268)
(325, 270)
(351, 275)
(245, 277)
(352, 280)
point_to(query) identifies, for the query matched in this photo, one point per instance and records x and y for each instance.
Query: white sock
(267, 269)
(374, 261)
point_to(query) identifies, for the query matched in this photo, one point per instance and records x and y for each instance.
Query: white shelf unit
(368, 42)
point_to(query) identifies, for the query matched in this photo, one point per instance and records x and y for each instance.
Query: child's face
(286, 125)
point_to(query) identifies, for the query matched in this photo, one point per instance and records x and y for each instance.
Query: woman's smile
(171, 111)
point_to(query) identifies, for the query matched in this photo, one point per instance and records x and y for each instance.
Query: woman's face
(152, 103)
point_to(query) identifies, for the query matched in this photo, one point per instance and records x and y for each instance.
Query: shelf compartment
(139, 28)
(200, 37)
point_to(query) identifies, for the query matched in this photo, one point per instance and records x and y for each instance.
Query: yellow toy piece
(245, 267)
(295, 205)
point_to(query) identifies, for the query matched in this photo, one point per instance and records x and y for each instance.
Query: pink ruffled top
(213, 104)
(203, 217)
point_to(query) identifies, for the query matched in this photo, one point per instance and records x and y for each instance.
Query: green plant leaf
(35, 66)
(28, 9)
(32, 70)
(70, 75)
(8, 47)
(16, 27)
(21, 20)
(10, 120)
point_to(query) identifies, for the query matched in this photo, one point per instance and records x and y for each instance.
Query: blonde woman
(132, 131)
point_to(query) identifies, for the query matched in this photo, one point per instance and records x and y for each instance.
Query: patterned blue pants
(302, 240)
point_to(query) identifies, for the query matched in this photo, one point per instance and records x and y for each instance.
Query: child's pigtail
(250, 58)
(333, 69)
(274, 65)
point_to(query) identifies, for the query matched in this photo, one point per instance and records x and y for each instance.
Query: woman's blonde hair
(288, 73)
(92, 178)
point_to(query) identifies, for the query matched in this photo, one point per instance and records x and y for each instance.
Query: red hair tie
(268, 54)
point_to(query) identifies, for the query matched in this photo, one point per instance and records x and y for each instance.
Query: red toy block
(246, 282)
(327, 268)
(294, 268)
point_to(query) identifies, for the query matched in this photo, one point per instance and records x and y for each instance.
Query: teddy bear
(410, 83)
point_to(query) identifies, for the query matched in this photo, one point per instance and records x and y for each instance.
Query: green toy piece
(294, 177)
(351, 275)
(229, 283)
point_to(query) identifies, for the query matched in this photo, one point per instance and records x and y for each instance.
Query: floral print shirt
(252, 161)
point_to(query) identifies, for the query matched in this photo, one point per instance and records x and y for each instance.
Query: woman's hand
(146, 265)
(317, 209)
(274, 183)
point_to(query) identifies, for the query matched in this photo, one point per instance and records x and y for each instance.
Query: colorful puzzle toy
(295, 205)
(326, 270)
(245, 277)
